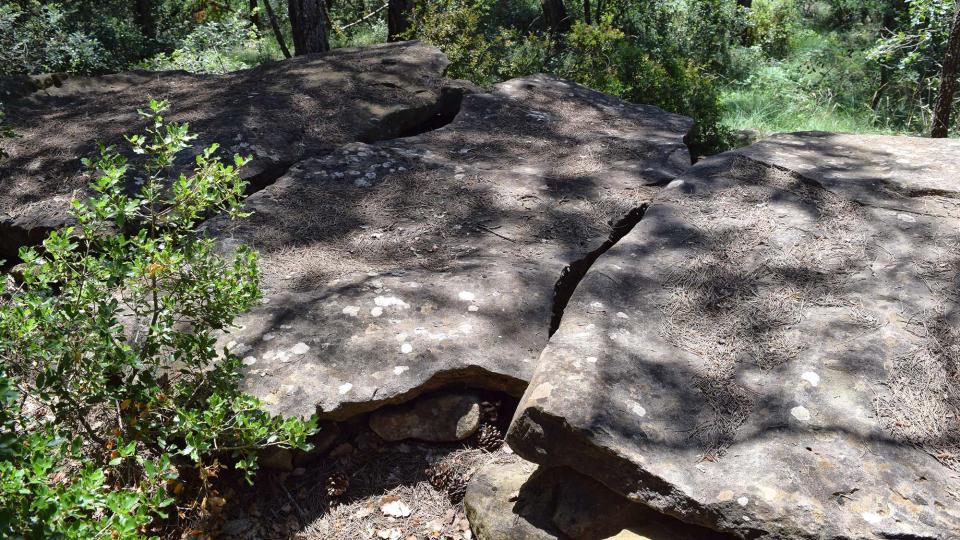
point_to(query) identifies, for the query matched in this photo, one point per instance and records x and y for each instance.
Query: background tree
(948, 80)
(308, 22)
(277, 32)
(399, 15)
(555, 16)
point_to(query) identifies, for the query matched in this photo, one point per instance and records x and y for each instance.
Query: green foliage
(110, 340)
(40, 38)
(602, 56)
(823, 84)
(911, 58)
(772, 24)
(217, 46)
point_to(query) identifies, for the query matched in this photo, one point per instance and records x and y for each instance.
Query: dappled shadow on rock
(395, 267)
(278, 113)
(770, 351)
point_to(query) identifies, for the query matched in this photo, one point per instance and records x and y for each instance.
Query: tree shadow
(743, 334)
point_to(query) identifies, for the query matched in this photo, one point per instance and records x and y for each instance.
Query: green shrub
(217, 46)
(109, 342)
(772, 25)
(600, 56)
(81, 36)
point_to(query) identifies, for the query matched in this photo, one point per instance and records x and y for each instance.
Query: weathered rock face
(773, 350)
(512, 499)
(277, 113)
(398, 267)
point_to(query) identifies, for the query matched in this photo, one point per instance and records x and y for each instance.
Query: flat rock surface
(773, 350)
(277, 113)
(396, 267)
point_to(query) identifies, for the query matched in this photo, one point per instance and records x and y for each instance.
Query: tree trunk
(276, 29)
(143, 18)
(890, 15)
(255, 16)
(555, 16)
(308, 20)
(398, 18)
(948, 80)
(586, 12)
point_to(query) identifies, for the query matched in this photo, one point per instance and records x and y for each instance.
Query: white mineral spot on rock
(400, 369)
(344, 388)
(800, 413)
(596, 305)
(906, 218)
(377, 311)
(300, 348)
(249, 361)
(387, 301)
(351, 311)
(638, 410)
(269, 336)
(743, 501)
(473, 308)
(622, 315)
(871, 518)
(592, 359)
(811, 378)
(746, 518)
(466, 296)
(406, 348)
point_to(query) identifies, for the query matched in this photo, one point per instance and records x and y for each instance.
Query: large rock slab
(773, 350)
(277, 113)
(406, 265)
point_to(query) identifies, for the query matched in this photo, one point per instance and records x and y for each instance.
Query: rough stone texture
(277, 113)
(511, 499)
(445, 417)
(773, 350)
(401, 266)
(494, 508)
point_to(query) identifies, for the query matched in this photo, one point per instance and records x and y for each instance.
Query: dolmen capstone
(276, 113)
(398, 267)
(773, 351)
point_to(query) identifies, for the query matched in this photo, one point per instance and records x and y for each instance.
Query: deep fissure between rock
(571, 276)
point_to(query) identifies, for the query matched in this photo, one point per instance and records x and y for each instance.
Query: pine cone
(457, 487)
(439, 475)
(489, 437)
(337, 484)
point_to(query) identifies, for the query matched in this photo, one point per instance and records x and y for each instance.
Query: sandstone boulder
(277, 113)
(446, 417)
(510, 499)
(773, 350)
(397, 267)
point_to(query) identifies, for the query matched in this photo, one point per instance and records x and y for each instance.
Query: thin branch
(365, 17)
